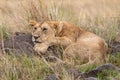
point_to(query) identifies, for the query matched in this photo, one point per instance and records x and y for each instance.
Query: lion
(77, 42)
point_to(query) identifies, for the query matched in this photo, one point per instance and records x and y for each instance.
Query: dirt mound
(19, 43)
(117, 38)
(115, 45)
(90, 75)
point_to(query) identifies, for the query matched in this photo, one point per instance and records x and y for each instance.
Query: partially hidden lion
(78, 43)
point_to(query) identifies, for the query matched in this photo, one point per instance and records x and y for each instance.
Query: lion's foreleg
(64, 41)
(41, 48)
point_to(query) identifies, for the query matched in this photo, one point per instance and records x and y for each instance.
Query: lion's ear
(59, 27)
(32, 22)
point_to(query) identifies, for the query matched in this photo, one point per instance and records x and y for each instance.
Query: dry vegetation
(99, 16)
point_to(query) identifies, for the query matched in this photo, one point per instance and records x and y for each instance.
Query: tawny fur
(77, 41)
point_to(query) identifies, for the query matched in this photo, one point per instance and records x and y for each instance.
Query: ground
(101, 17)
(26, 48)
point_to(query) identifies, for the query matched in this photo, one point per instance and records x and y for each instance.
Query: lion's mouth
(37, 42)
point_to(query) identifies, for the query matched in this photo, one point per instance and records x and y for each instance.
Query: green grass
(22, 68)
(4, 33)
(34, 68)
(108, 75)
(114, 59)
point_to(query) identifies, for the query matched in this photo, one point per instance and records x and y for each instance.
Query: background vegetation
(99, 16)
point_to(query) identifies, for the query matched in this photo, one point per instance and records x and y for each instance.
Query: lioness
(77, 41)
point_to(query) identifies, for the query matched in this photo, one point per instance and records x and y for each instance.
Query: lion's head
(42, 32)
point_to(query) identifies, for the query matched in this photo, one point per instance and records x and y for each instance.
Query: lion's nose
(36, 37)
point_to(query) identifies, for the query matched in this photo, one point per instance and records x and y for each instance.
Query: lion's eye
(35, 28)
(44, 29)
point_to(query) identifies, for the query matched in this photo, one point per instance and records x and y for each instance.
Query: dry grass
(99, 16)
(24, 68)
(95, 13)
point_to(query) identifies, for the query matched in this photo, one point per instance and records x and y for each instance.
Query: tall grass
(99, 16)
(22, 68)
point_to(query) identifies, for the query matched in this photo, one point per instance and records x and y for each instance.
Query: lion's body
(78, 42)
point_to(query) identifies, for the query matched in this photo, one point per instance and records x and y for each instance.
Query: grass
(4, 33)
(34, 68)
(99, 16)
(24, 68)
(115, 59)
(108, 75)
